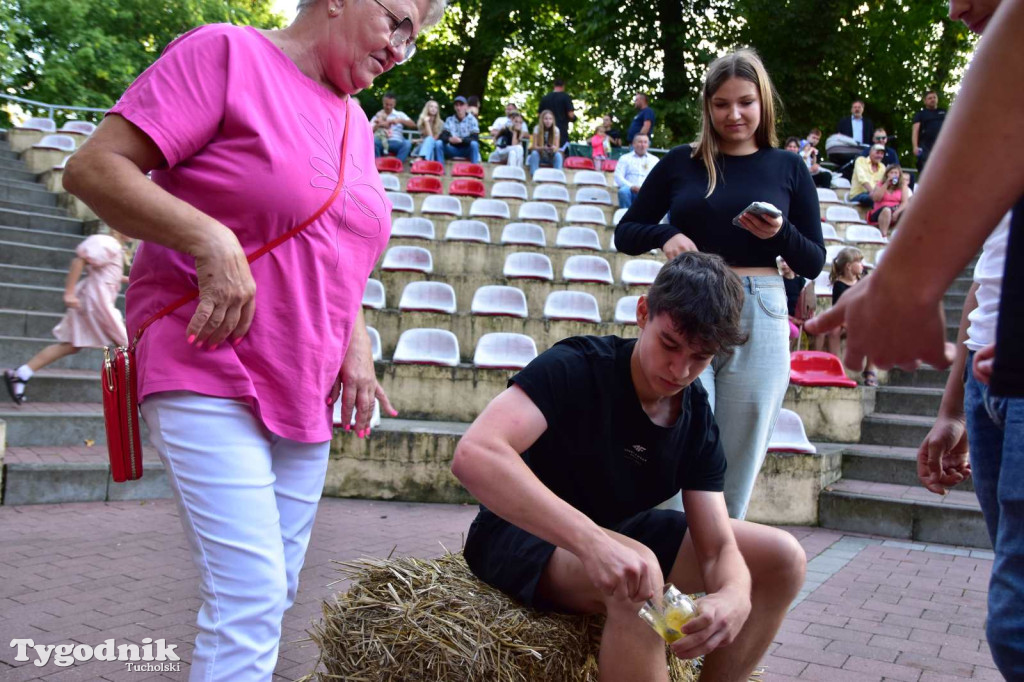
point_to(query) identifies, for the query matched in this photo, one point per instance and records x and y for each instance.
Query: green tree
(85, 52)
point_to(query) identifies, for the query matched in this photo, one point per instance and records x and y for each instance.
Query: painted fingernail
(199, 344)
(192, 338)
(237, 341)
(214, 346)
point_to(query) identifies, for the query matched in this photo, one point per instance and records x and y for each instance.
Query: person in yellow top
(867, 173)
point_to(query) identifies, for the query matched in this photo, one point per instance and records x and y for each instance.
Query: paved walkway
(872, 610)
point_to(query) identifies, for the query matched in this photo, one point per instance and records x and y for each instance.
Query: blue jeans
(995, 431)
(864, 199)
(470, 150)
(533, 161)
(626, 197)
(400, 146)
(746, 389)
(432, 149)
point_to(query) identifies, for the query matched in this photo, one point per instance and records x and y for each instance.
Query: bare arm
(914, 132)
(74, 272)
(108, 173)
(646, 128)
(877, 193)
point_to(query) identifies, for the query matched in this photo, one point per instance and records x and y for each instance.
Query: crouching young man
(569, 461)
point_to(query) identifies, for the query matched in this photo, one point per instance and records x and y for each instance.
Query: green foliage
(86, 52)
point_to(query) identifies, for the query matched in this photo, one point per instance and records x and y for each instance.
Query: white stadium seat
(390, 182)
(585, 177)
(611, 241)
(373, 295)
(828, 233)
(442, 205)
(63, 162)
(489, 208)
(538, 210)
(827, 196)
(427, 347)
(528, 266)
(839, 182)
(78, 127)
(374, 419)
(400, 202)
(842, 214)
(831, 251)
(640, 271)
(408, 258)
(571, 305)
(412, 228)
(44, 125)
(550, 175)
(509, 190)
(524, 233)
(587, 269)
(619, 212)
(375, 347)
(64, 143)
(878, 256)
(591, 215)
(468, 231)
(865, 234)
(497, 300)
(823, 287)
(593, 195)
(551, 192)
(789, 434)
(577, 238)
(503, 350)
(433, 297)
(509, 173)
(625, 310)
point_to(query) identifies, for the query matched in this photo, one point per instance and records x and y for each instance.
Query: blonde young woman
(430, 126)
(704, 187)
(545, 143)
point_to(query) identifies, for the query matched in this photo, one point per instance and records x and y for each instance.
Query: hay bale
(419, 620)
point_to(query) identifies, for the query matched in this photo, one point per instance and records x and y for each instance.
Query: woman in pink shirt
(890, 197)
(246, 133)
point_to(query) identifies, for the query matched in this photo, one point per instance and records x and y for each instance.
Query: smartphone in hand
(758, 208)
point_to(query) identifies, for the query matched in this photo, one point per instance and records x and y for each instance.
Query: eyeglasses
(880, 138)
(401, 35)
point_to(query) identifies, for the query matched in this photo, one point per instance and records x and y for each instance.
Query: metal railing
(50, 107)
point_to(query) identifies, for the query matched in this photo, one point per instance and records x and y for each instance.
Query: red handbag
(120, 372)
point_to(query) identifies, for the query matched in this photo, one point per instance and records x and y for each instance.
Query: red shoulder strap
(269, 246)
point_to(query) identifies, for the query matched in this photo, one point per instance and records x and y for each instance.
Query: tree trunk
(493, 30)
(676, 86)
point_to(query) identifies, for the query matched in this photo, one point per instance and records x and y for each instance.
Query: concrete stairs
(55, 448)
(879, 491)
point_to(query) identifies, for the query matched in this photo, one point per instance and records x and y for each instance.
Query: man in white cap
(867, 173)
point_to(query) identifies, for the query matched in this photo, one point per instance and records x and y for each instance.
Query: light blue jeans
(432, 149)
(533, 161)
(746, 389)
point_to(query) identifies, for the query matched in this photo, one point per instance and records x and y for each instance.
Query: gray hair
(434, 12)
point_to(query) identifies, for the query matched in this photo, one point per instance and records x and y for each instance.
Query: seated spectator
(794, 284)
(813, 138)
(867, 172)
(430, 127)
(632, 170)
(614, 134)
(393, 122)
(890, 198)
(461, 134)
(501, 152)
(473, 106)
(545, 143)
(908, 182)
(792, 144)
(600, 146)
(881, 137)
(847, 270)
(509, 142)
(808, 149)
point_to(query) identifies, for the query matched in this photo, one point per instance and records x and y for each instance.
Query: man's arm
(915, 130)
(620, 172)
(488, 463)
(645, 129)
(726, 577)
(895, 316)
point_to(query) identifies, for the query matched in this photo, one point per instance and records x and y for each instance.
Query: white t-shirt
(988, 273)
(502, 121)
(396, 128)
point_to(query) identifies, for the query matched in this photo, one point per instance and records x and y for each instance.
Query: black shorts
(512, 560)
(873, 215)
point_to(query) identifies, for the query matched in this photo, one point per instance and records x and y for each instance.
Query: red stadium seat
(816, 368)
(578, 163)
(386, 164)
(468, 170)
(466, 188)
(425, 167)
(609, 165)
(424, 184)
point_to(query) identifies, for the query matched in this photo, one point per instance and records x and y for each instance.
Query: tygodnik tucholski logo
(151, 656)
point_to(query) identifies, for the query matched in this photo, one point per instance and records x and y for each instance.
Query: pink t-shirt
(254, 143)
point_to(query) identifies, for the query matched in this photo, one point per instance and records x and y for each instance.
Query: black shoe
(10, 378)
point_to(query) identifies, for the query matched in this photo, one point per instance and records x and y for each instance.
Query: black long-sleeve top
(678, 183)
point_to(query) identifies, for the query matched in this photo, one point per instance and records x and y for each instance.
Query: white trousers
(247, 500)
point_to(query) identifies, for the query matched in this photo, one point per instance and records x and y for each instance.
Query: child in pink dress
(92, 319)
(600, 147)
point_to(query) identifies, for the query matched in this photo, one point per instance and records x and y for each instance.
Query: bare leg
(51, 354)
(777, 564)
(630, 649)
(884, 221)
(833, 342)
